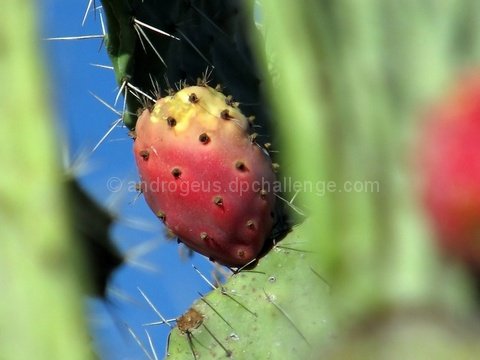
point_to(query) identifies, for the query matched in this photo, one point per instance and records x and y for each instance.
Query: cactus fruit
(451, 163)
(204, 175)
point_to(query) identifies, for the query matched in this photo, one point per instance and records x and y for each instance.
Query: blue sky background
(83, 120)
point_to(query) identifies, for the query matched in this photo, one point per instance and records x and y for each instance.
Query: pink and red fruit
(204, 177)
(451, 168)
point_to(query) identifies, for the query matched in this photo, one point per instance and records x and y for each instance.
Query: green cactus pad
(262, 313)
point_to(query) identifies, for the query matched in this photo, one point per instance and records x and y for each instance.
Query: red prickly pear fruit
(450, 158)
(212, 186)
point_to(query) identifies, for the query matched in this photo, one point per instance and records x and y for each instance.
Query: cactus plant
(196, 37)
(363, 76)
(373, 246)
(147, 63)
(353, 86)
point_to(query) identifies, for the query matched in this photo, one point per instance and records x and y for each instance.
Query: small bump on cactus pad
(204, 173)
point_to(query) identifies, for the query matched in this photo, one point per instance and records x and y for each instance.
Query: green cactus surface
(367, 77)
(267, 312)
(41, 273)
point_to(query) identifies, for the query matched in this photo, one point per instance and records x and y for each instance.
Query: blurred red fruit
(450, 153)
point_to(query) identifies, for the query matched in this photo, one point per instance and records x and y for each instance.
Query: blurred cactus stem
(41, 315)
(352, 78)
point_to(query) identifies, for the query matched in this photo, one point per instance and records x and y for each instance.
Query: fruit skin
(451, 167)
(204, 176)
